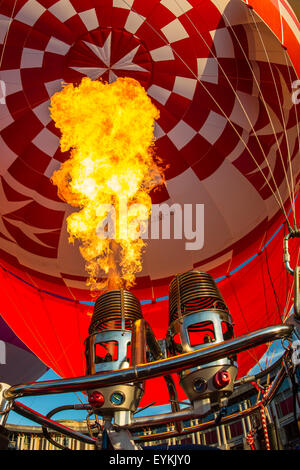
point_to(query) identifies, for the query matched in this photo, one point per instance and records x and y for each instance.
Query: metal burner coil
(115, 310)
(191, 292)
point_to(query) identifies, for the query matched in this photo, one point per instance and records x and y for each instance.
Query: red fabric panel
(52, 328)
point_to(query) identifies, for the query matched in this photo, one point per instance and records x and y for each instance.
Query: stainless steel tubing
(138, 343)
(152, 343)
(190, 414)
(200, 427)
(191, 429)
(153, 369)
(172, 417)
(286, 254)
(142, 334)
(23, 410)
(280, 376)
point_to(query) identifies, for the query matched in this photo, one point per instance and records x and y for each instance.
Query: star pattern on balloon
(7, 219)
(102, 56)
(8, 207)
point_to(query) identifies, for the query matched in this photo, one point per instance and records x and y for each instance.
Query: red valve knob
(222, 379)
(96, 399)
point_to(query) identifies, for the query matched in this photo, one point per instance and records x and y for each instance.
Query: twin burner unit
(198, 316)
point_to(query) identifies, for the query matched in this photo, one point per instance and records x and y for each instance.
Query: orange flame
(109, 130)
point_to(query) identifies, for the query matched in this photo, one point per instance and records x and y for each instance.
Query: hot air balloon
(221, 73)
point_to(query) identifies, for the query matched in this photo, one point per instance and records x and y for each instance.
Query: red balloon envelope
(221, 74)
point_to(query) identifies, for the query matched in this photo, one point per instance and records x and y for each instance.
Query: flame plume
(108, 129)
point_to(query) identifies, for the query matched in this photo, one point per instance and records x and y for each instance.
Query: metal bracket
(286, 254)
(294, 272)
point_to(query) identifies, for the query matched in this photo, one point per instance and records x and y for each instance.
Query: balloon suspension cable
(228, 79)
(290, 186)
(262, 409)
(6, 34)
(251, 438)
(262, 172)
(278, 198)
(287, 60)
